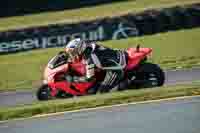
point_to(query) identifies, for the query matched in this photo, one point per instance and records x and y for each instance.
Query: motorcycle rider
(111, 61)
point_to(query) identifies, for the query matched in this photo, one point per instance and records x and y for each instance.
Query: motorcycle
(138, 73)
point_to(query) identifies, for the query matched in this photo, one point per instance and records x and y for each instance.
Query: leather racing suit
(111, 61)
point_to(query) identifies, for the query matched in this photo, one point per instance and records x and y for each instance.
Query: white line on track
(103, 107)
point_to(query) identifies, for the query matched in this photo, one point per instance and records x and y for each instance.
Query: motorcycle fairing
(135, 56)
(79, 88)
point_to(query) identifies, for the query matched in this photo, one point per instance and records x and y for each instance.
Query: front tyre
(44, 93)
(149, 75)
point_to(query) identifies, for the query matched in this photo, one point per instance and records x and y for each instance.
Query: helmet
(75, 47)
(73, 44)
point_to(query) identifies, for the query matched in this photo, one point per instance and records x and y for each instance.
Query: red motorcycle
(140, 73)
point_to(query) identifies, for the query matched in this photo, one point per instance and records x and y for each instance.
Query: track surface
(26, 97)
(175, 116)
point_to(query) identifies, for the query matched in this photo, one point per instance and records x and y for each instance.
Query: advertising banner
(130, 25)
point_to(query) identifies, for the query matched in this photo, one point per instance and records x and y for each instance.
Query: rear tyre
(149, 75)
(44, 93)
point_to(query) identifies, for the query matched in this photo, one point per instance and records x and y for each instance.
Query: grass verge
(99, 100)
(179, 49)
(85, 14)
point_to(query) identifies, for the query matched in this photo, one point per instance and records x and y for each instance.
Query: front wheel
(149, 75)
(44, 93)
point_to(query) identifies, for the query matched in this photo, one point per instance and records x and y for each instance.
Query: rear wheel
(44, 93)
(149, 75)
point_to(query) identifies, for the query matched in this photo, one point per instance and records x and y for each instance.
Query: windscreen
(57, 61)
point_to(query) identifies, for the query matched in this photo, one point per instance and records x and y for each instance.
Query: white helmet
(73, 44)
(72, 47)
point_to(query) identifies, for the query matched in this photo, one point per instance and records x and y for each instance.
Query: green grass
(98, 100)
(180, 49)
(85, 14)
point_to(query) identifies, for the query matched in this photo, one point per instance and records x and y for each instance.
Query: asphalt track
(27, 97)
(174, 116)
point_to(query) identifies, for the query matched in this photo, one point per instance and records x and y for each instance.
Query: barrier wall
(130, 25)
(21, 7)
